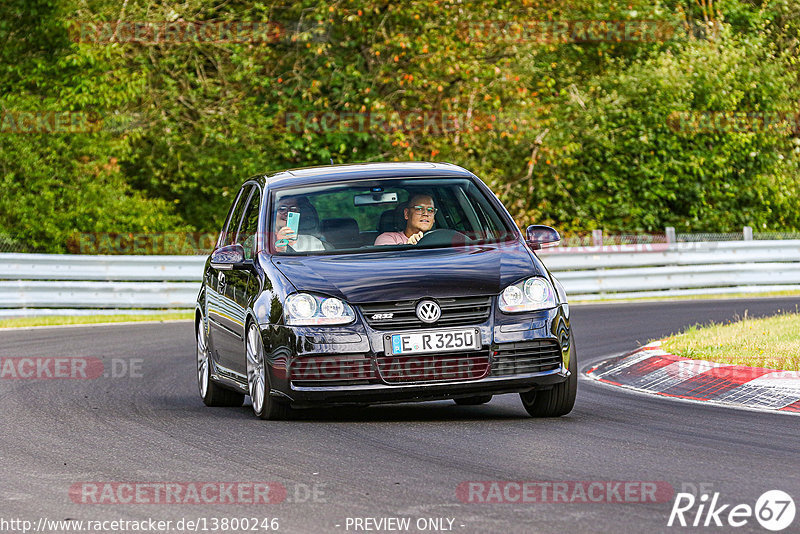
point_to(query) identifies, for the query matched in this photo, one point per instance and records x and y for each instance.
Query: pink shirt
(391, 238)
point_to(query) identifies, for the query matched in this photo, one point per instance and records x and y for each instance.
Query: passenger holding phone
(289, 213)
(419, 214)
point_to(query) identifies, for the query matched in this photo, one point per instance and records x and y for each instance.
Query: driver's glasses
(284, 209)
(419, 210)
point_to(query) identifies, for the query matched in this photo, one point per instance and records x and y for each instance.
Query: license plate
(436, 341)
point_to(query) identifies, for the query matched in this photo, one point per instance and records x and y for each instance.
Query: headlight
(332, 308)
(301, 306)
(532, 294)
(537, 290)
(304, 309)
(513, 296)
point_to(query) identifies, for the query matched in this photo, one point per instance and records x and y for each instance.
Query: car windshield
(376, 215)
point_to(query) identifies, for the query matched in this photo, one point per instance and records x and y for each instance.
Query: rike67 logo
(774, 510)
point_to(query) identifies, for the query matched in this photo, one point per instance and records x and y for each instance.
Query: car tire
(265, 406)
(473, 401)
(558, 400)
(212, 393)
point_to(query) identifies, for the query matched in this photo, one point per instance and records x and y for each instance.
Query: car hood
(410, 274)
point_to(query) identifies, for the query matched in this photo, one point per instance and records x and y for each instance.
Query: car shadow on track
(413, 412)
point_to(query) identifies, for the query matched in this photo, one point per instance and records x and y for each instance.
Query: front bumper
(519, 353)
(417, 392)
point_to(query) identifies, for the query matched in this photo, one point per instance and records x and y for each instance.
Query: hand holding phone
(293, 222)
(288, 233)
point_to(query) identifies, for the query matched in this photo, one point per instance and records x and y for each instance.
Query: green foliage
(58, 183)
(628, 168)
(574, 134)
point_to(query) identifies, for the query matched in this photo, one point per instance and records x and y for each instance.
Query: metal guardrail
(675, 269)
(59, 294)
(105, 268)
(40, 283)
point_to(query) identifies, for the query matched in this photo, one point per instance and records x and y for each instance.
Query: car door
(239, 289)
(220, 313)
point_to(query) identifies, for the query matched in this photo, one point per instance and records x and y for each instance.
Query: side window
(450, 210)
(249, 228)
(229, 233)
(491, 225)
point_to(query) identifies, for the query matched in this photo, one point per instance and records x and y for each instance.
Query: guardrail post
(748, 233)
(597, 238)
(670, 231)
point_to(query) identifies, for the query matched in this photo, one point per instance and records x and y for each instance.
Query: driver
(419, 214)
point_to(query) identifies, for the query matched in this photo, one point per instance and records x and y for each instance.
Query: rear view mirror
(227, 257)
(374, 198)
(539, 236)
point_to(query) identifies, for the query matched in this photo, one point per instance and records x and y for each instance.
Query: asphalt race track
(149, 425)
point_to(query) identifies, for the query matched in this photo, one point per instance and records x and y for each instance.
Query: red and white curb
(652, 370)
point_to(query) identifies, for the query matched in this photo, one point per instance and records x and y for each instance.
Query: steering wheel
(445, 236)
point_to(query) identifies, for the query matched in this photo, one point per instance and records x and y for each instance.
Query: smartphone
(293, 221)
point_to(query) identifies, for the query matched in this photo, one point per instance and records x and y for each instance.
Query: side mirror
(228, 257)
(539, 236)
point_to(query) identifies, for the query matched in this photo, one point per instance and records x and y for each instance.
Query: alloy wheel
(256, 378)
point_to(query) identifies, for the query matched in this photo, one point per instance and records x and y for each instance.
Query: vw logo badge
(428, 311)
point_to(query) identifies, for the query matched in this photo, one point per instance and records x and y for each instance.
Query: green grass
(18, 322)
(770, 342)
(611, 300)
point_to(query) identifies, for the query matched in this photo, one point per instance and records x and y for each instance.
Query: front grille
(433, 367)
(455, 312)
(332, 370)
(526, 357)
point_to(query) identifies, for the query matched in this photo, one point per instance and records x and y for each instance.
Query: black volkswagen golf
(380, 283)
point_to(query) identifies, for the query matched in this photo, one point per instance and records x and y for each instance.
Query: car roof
(360, 171)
